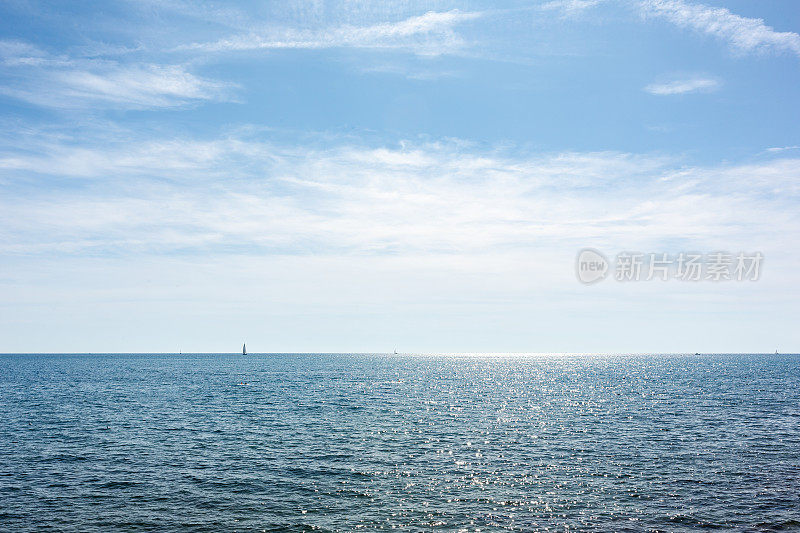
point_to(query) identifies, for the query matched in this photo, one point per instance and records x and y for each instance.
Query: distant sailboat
(244, 349)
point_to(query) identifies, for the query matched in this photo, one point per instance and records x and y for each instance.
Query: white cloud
(776, 149)
(251, 230)
(34, 76)
(261, 198)
(570, 7)
(431, 33)
(683, 86)
(744, 34)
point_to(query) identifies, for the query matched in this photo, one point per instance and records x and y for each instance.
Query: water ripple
(368, 443)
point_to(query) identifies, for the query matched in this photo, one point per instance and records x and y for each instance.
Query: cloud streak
(429, 34)
(37, 77)
(240, 195)
(570, 7)
(683, 86)
(742, 33)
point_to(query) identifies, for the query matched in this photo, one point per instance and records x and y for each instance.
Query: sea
(374, 442)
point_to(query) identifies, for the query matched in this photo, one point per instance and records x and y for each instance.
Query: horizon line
(408, 353)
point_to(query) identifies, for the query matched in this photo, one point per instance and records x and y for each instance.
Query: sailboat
(244, 349)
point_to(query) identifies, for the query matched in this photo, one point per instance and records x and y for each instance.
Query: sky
(355, 176)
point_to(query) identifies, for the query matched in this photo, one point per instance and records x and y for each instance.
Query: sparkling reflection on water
(369, 442)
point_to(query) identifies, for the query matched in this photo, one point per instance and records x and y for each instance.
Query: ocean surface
(334, 442)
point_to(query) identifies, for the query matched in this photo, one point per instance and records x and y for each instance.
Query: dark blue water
(357, 442)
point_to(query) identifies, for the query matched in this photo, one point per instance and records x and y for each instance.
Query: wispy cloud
(683, 86)
(430, 34)
(742, 33)
(61, 81)
(249, 227)
(239, 194)
(570, 7)
(777, 149)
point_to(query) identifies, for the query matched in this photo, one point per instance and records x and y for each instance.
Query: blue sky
(360, 176)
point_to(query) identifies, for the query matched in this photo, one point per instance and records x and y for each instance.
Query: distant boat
(395, 351)
(244, 349)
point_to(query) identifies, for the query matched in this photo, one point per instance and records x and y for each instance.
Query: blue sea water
(372, 442)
